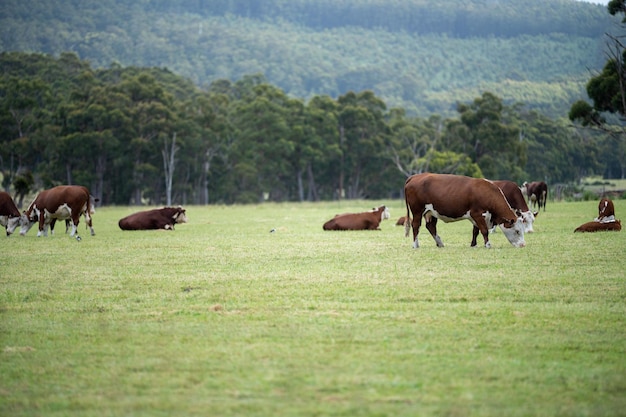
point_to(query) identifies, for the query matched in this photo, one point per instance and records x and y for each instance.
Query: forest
(423, 56)
(137, 135)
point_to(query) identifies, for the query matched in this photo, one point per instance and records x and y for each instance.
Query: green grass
(222, 317)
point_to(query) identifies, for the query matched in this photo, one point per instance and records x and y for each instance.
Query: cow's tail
(407, 220)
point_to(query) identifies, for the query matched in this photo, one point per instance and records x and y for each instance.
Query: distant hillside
(417, 54)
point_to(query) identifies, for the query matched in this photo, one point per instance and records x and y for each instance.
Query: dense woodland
(146, 135)
(420, 55)
(201, 102)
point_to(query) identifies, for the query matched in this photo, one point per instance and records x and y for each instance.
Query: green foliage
(423, 56)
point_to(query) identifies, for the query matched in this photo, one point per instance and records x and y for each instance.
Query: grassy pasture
(222, 317)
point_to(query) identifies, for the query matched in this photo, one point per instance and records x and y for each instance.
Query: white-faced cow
(517, 202)
(369, 220)
(456, 197)
(60, 203)
(537, 193)
(9, 214)
(606, 211)
(162, 218)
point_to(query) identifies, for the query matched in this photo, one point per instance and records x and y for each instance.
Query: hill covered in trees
(420, 55)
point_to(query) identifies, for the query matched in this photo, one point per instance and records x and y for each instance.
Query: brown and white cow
(369, 220)
(401, 221)
(454, 197)
(9, 214)
(596, 226)
(68, 222)
(537, 193)
(517, 202)
(161, 218)
(606, 211)
(60, 203)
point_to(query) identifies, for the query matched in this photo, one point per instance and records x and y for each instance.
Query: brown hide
(161, 218)
(47, 202)
(7, 205)
(401, 221)
(452, 197)
(605, 208)
(537, 192)
(599, 226)
(513, 195)
(369, 220)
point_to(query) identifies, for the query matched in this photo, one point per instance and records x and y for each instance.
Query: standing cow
(517, 202)
(9, 214)
(162, 218)
(455, 197)
(369, 220)
(537, 193)
(60, 203)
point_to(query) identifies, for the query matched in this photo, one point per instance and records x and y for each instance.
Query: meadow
(222, 317)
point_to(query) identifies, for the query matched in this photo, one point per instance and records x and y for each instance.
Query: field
(222, 317)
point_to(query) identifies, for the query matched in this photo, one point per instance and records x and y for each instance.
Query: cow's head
(384, 213)
(528, 218)
(12, 223)
(514, 231)
(180, 215)
(27, 220)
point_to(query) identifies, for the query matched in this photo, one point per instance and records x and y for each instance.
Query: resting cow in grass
(369, 220)
(455, 197)
(162, 218)
(605, 222)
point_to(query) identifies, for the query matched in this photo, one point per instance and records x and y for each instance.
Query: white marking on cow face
(27, 222)
(514, 233)
(385, 214)
(10, 223)
(528, 218)
(180, 217)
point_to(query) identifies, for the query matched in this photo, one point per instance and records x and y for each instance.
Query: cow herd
(446, 197)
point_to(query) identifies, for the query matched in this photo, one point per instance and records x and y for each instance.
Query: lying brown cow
(594, 226)
(9, 214)
(456, 197)
(162, 218)
(60, 203)
(401, 221)
(369, 220)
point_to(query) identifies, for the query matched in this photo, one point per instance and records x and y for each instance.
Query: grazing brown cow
(517, 202)
(68, 222)
(455, 197)
(369, 220)
(537, 193)
(606, 211)
(162, 218)
(594, 226)
(9, 214)
(60, 203)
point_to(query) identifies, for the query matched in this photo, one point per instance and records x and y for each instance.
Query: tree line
(146, 135)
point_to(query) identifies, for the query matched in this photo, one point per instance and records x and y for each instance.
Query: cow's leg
(431, 225)
(75, 221)
(42, 230)
(480, 225)
(415, 224)
(89, 223)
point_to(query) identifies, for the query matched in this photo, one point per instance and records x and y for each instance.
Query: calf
(517, 202)
(455, 197)
(9, 214)
(369, 220)
(162, 218)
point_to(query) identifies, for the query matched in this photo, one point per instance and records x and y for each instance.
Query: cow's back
(7, 205)
(513, 194)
